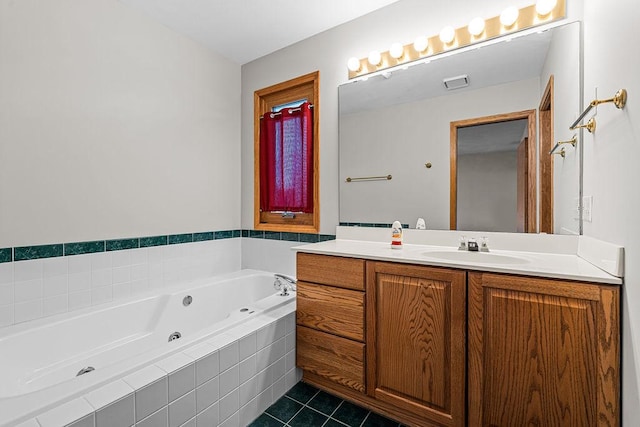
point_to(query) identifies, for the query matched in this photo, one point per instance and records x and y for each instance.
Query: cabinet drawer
(330, 309)
(331, 270)
(337, 359)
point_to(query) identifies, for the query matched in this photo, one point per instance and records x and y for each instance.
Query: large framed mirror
(399, 125)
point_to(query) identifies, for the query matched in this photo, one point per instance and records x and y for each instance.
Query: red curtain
(286, 160)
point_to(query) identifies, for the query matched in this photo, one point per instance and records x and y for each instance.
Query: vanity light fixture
(375, 58)
(353, 64)
(421, 44)
(544, 7)
(476, 26)
(396, 51)
(511, 21)
(447, 35)
(509, 16)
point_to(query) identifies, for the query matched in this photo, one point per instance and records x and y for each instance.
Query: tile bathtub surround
(40, 287)
(91, 273)
(190, 387)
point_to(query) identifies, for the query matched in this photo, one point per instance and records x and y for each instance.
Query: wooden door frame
(546, 160)
(530, 115)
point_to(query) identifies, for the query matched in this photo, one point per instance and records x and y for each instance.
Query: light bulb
(543, 7)
(447, 35)
(374, 57)
(421, 44)
(396, 51)
(509, 16)
(476, 26)
(353, 64)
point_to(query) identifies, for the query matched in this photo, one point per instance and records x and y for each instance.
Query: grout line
(294, 415)
(335, 410)
(269, 415)
(365, 419)
(303, 404)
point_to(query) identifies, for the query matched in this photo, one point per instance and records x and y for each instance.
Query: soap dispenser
(396, 235)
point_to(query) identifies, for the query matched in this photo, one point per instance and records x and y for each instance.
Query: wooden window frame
(303, 87)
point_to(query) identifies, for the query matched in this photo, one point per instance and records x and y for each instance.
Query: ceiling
(244, 30)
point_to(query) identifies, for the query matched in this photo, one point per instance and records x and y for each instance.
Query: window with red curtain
(286, 160)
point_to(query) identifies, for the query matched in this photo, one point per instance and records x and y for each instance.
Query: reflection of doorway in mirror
(493, 173)
(546, 161)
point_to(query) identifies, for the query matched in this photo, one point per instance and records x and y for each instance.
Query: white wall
(111, 126)
(487, 191)
(611, 172)
(368, 147)
(562, 61)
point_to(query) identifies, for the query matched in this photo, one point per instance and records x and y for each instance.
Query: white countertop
(539, 264)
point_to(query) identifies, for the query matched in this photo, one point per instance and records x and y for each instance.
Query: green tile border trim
(202, 237)
(6, 255)
(24, 253)
(122, 244)
(80, 248)
(176, 239)
(146, 242)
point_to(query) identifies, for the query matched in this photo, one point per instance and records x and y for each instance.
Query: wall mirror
(399, 125)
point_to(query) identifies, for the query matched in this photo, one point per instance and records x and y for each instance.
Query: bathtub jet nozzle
(174, 336)
(85, 370)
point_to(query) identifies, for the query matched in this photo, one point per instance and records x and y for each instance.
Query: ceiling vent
(457, 82)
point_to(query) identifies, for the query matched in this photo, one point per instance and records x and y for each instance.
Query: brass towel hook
(619, 100)
(590, 126)
(560, 153)
(572, 141)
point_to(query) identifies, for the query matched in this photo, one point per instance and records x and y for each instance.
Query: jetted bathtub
(41, 361)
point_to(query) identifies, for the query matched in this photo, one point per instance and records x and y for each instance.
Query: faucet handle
(484, 244)
(462, 246)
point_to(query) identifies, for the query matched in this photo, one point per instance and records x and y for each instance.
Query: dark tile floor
(306, 406)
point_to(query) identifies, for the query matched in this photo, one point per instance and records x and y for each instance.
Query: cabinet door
(542, 352)
(416, 340)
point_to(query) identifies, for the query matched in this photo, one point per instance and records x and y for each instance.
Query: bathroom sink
(483, 257)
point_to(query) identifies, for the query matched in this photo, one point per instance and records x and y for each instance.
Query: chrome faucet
(472, 245)
(284, 284)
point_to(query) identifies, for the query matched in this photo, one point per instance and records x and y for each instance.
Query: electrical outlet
(587, 207)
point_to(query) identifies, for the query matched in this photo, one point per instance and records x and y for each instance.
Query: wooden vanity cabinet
(446, 347)
(416, 340)
(542, 352)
